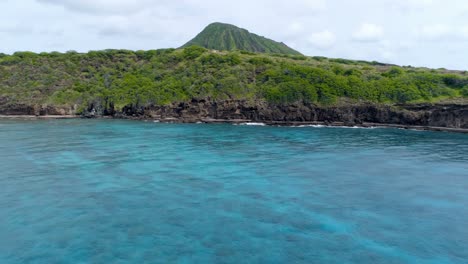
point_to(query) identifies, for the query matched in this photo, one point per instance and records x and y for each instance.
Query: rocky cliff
(436, 115)
(443, 115)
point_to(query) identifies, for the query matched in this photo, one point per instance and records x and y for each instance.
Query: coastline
(245, 122)
(33, 117)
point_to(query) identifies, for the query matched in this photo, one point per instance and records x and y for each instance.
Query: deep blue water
(109, 191)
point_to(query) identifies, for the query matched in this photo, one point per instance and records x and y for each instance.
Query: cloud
(114, 25)
(441, 32)
(296, 27)
(368, 33)
(464, 31)
(316, 5)
(323, 39)
(309, 25)
(386, 55)
(16, 29)
(419, 3)
(411, 5)
(435, 32)
(132, 6)
(145, 27)
(100, 6)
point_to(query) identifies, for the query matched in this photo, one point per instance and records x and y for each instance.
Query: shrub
(393, 72)
(193, 52)
(464, 91)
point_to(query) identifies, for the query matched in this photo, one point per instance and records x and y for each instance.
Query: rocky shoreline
(438, 117)
(246, 122)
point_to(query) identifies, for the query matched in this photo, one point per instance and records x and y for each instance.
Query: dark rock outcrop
(443, 115)
(427, 115)
(10, 108)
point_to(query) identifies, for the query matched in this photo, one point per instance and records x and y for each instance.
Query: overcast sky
(432, 33)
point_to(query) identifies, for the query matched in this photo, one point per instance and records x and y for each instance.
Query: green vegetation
(219, 36)
(118, 78)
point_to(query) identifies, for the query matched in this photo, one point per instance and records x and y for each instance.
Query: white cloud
(441, 32)
(419, 3)
(316, 5)
(404, 31)
(435, 32)
(323, 39)
(411, 5)
(369, 33)
(100, 6)
(386, 55)
(114, 25)
(16, 29)
(296, 27)
(464, 10)
(464, 31)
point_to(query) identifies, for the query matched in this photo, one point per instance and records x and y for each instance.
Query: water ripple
(108, 191)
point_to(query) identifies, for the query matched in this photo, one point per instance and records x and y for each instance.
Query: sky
(430, 33)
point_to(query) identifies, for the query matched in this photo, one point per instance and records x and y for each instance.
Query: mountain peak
(217, 24)
(222, 36)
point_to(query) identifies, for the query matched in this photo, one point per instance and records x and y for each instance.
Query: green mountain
(220, 36)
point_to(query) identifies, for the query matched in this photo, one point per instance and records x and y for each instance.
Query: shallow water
(108, 191)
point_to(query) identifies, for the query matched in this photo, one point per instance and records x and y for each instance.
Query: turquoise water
(109, 191)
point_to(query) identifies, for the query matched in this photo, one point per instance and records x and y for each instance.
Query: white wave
(311, 126)
(354, 127)
(412, 129)
(252, 124)
(157, 121)
(322, 126)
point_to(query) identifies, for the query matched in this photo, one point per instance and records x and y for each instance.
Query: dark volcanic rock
(435, 115)
(7, 108)
(452, 116)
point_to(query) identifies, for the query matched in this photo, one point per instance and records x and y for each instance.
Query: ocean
(116, 191)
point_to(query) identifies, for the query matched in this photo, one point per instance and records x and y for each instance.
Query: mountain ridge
(223, 36)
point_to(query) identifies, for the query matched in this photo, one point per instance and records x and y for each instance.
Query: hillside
(111, 80)
(220, 36)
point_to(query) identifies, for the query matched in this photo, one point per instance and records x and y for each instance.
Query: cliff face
(437, 115)
(452, 116)
(22, 109)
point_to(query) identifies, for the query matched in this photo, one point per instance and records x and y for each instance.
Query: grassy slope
(219, 36)
(158, 77)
